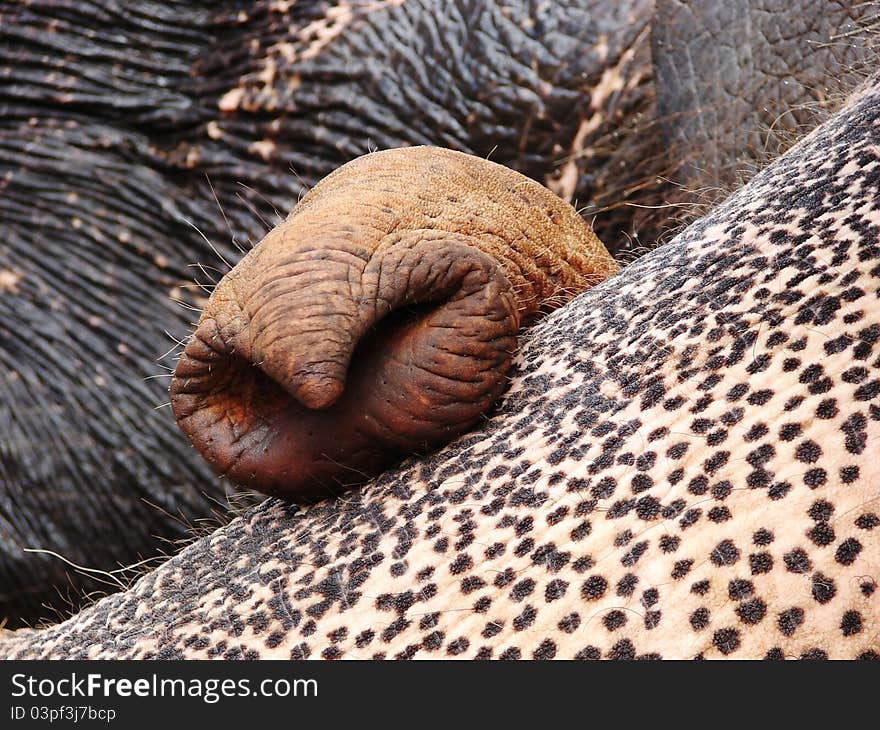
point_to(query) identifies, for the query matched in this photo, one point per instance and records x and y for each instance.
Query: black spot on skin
(725, 553)
(395, 628)
(827, 409)
(613, 620)
(636, 552)
(814, 655)
(700, 588)
(647, 508)
(808, 452)
(546, 650)
(775, 654)
(699, 619)
(822, 534)
(620, 508)
(669, 543)
(504, 578)
(739, 589)
(673, 509)
(716, 461)
(726, 641)
(759, 397)
(690, 518)
(779, 490)
(757, 431)
(760, 456)
(797, 561)
(594, 588)
(511, 654)
(626, 586)
(856, 437)
(433, 641)
(525, 619)
(760, 563)
(588, 653)
(851, 623)
(522, 589)
(569, 624)
(364, 638)
(472, 583)
(677, 450)
(867, 521)
(824, 588)
(821, 511)
(719, 514)
(681, 568)
(849, 474)
(762, 537)
(790, 620)
(623, 650)
(722, 490)
(555, 590)
(604, 488)
(752, 612)
(848, 551)
(790, 431)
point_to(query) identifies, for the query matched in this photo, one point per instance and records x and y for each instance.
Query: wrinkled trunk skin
(300, 380)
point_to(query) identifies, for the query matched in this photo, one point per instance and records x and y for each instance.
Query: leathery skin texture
(310, 371)
(142, 148)
(683, 466)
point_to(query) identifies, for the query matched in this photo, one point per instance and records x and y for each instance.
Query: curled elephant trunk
(378, 320)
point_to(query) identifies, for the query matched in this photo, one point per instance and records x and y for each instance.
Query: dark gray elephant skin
(136, 141)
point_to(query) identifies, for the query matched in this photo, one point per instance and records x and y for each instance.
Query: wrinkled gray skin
(131, 138)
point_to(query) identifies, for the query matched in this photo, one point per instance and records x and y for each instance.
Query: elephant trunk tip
(316, 386)
(376, 322)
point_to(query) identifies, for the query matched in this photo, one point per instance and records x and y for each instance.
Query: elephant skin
(682, 467)
(143, 152)
(137, 145)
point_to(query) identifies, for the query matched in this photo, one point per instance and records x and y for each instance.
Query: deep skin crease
(139, 141)
(378, 321)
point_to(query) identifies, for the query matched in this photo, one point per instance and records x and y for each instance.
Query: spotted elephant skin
(143, 150)
(684, 466)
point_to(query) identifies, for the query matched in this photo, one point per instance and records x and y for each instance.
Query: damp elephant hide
(138, 141)
(683, 466)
